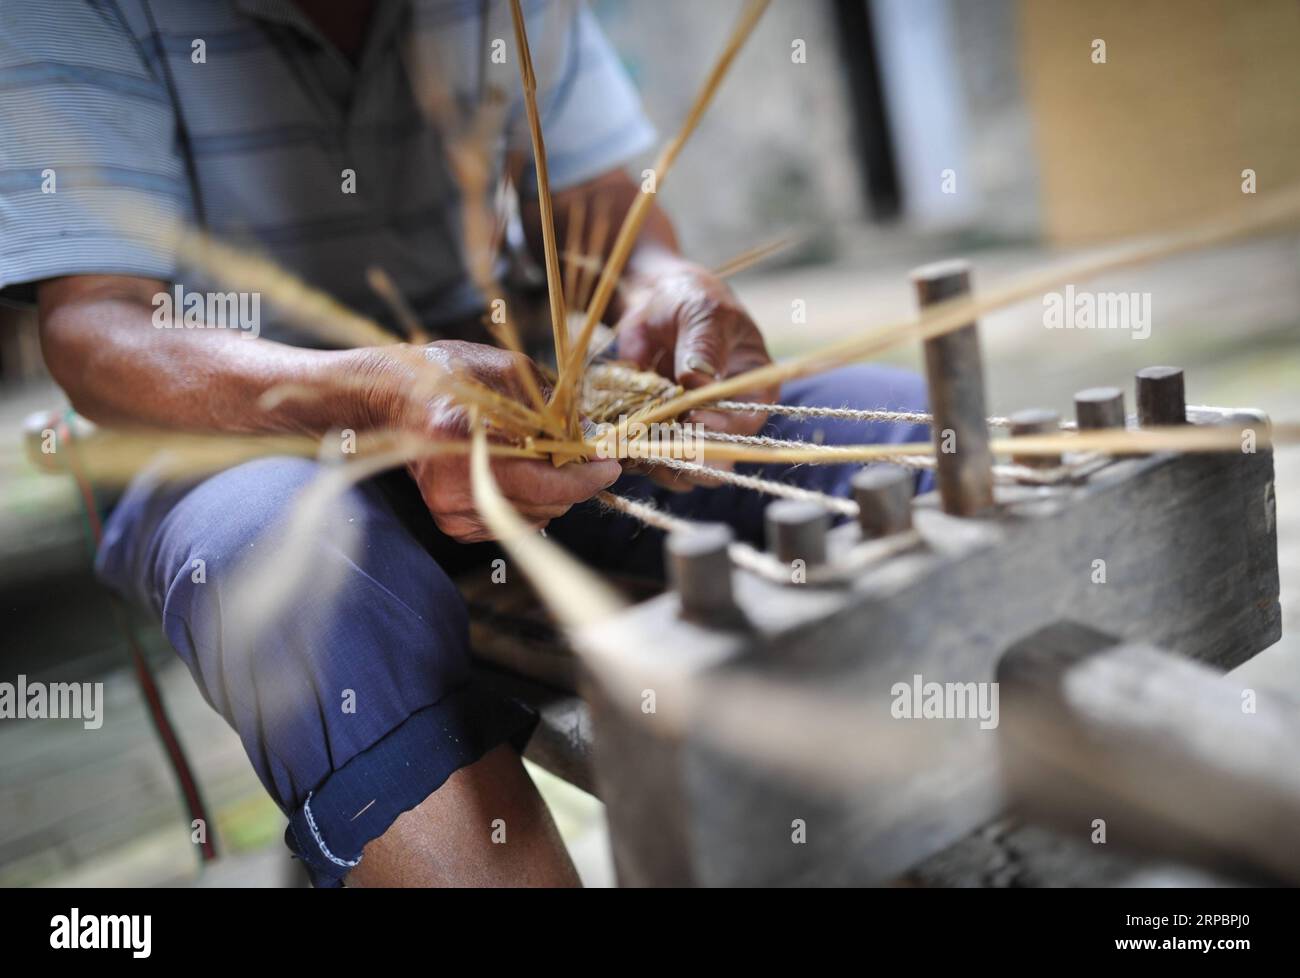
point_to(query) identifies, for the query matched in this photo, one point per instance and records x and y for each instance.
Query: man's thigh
(352, 695)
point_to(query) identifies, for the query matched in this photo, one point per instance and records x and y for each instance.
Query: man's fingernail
(697, 364)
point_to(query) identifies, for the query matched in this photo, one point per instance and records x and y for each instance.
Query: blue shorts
(357, 702)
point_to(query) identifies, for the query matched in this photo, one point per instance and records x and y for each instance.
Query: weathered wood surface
(1012, 853)
(1189, 546)
(1162, 753)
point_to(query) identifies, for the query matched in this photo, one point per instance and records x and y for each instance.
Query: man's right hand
(536, 488)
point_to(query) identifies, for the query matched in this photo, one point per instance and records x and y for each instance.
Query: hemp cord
(842, 413)
(845, 507)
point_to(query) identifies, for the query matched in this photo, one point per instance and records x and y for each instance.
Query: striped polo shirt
(240, 117)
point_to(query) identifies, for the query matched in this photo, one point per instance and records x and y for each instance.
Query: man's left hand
(686, 324)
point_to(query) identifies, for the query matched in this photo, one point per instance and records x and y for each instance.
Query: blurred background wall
(1192, 93)
(857, 136)
(1043, 140)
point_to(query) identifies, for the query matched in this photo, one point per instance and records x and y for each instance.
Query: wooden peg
(955, 373)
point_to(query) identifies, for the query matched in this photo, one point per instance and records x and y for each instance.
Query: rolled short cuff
(360, 800)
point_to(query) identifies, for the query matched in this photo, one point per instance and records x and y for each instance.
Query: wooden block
(1174, 550)
(1160, 753)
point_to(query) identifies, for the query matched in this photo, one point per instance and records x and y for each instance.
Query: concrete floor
(87, 810)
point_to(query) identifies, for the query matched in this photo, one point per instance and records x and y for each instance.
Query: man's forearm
(102, 348)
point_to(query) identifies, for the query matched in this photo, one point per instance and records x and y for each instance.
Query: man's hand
(540, 491)
(674, 317)
(685, 323)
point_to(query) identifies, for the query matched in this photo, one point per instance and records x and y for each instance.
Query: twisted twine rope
(840, 413)
(845, 507)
